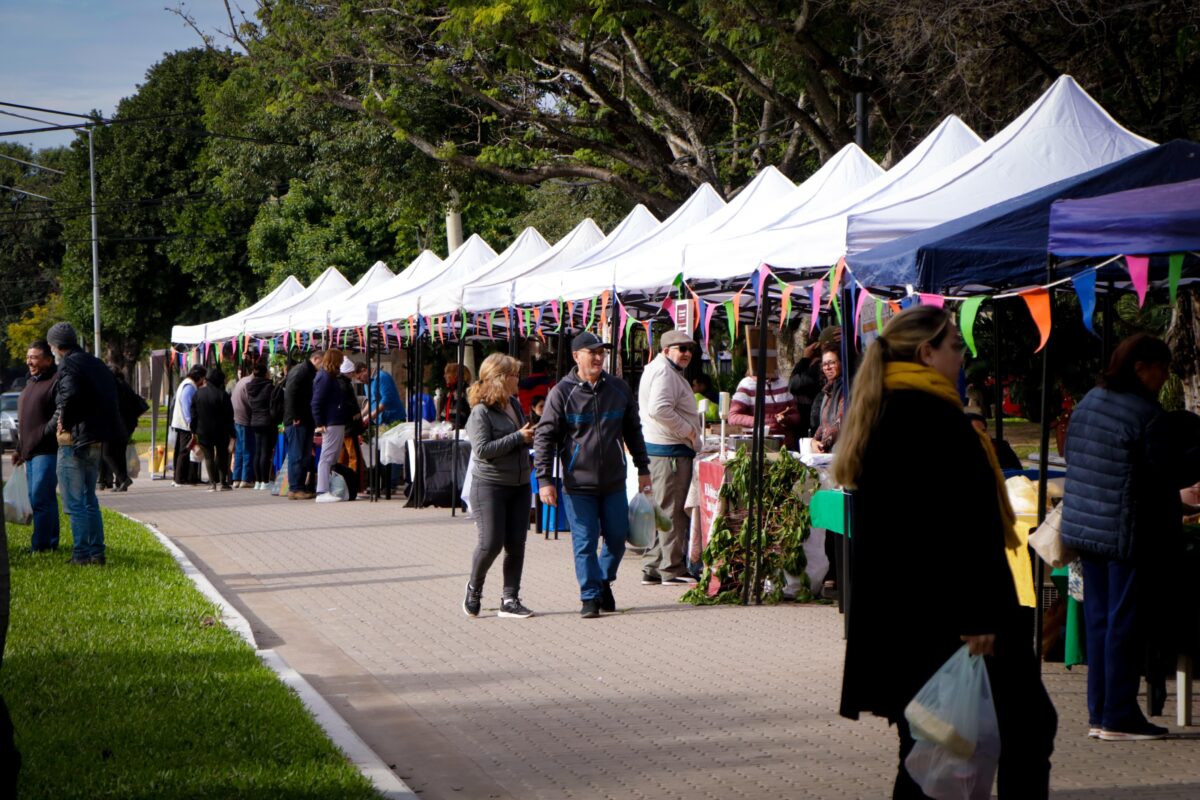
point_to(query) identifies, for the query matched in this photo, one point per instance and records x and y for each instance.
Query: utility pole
(862, 135)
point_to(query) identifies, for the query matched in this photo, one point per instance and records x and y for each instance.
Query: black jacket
(85, 400)
(212, 416)
(501, 455)
(805, 384)
(35, 408)
(588, 428)
(130, 404)
(297, 394)
(925, 506)
(258, 394)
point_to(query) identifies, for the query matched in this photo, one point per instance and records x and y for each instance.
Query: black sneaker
(590, 610)
(512, 607)
(471, 602)
(1137, 733)
(651, 579)
(679, 580)
(607, 601)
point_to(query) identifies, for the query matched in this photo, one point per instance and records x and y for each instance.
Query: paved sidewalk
(661, 701)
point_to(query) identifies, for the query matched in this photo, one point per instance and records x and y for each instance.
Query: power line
(22, 191)
(31, 164)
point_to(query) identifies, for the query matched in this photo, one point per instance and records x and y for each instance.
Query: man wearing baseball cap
(589, 420)
(671, 422)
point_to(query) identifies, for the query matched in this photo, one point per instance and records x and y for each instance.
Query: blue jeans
(243, 454)
(590, 517)
(78, 469)
(43, 496)
(1116, 643)
(299, 456)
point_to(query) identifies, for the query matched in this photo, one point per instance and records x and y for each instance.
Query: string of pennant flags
(535, 321)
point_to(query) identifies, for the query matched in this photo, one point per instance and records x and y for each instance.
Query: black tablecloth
(434, 484)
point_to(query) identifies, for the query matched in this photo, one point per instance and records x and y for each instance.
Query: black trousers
(502, 519)
(216, 462)
(1027, 722)
(185, 470)
(264, 452)
(114, 470)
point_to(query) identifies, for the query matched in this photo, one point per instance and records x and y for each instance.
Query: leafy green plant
(786, 489)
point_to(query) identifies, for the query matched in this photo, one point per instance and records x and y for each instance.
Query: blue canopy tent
(1005, 244)
(1156, 219)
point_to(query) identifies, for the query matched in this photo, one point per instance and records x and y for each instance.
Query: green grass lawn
(123, 683)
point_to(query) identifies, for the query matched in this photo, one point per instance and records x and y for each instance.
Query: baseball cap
(588, 341)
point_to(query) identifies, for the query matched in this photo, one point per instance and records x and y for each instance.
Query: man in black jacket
(589, 420)
(36, 448)
(299, 426)
(86, 417)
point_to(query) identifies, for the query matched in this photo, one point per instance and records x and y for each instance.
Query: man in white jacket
(672, 428)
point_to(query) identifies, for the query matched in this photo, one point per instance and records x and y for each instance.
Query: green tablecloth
(1075, 636)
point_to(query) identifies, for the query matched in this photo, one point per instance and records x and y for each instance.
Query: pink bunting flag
(583, 313)
(490, 318)
(668, 305)
(396, 330)
(708, 315)
(935, 300)
(1139, 273)
(816, 303)
(763, 272)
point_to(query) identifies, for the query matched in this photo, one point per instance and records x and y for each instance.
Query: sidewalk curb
(386, 782)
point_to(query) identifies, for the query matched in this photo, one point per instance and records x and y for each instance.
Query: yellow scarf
(907, 375)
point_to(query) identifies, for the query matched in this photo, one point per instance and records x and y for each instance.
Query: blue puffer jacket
(1119, 496)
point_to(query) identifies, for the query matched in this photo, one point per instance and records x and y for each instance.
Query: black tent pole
(418, 484)
(367, 354)
(848, 370)
(1107, 331)
(999, 375)
(1043, 467)
(459, 390)
(170, 409)
(760, 449)
(749, 558)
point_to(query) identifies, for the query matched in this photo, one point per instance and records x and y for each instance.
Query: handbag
(1047, 541)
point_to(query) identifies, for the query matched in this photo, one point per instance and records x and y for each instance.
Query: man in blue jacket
(86, 417)
(590, 418)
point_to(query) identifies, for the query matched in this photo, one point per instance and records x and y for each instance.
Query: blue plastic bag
(953, 720)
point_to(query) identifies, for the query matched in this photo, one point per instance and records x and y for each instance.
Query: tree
(35, 321)
(31, 244)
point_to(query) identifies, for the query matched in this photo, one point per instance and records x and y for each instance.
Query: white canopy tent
(313, 312)
(465, 259)
(423, 269)
(494, 290)
(447, 297)
(1064, 133)
(814, 233)
(347, 304)
(231, 326)
(541, 288)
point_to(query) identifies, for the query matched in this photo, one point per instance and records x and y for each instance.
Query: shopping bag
(1075, 580)
(133, 464)
(1047, 541)
(17, 508)
(953, 720)
(641, 520)
(337, 486)
(279, 486)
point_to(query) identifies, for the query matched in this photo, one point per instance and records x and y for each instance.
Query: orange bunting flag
(894, 306)
(785, 304)
(836, 282)
(604, 298)
(1038, 301)
(737, 312)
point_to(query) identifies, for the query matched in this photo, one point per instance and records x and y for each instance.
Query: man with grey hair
(671, 426)
(86, 416)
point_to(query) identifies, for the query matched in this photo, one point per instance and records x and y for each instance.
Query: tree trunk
(1184, 339)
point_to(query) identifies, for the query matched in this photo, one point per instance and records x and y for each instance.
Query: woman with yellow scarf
(907, 452)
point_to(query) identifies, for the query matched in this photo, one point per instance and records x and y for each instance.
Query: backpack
(277, 403)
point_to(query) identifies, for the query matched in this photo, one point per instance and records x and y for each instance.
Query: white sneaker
(258, 487)
(328, 497)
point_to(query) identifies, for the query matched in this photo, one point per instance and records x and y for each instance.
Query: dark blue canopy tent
(1005, 244)
(1156, 219)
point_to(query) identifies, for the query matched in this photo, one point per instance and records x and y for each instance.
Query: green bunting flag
(878, 316)
(731, 320)
(966, 321)
(837, 311)
(1175, 264)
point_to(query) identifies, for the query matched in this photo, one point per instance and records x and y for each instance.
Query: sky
(80, 55)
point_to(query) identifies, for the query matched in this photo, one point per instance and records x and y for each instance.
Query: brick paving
(659, 701)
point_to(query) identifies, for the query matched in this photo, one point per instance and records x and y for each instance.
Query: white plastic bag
(641, 520)
(337, 486)
(953, 720)
(279, 486)
(1075, 580)
(133, 464)
(17, 508)
(1047, 541)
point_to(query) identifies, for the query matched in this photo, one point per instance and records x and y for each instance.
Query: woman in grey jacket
(500, 496)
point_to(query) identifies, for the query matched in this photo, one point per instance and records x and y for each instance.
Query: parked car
(8, 418)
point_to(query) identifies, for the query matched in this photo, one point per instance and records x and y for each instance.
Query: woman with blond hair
(500, 496)
(907, 450)
(330, 416)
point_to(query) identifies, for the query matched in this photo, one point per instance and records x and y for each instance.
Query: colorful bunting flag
(836, 282)
(737, 313)
(785, 304)
(878, 316)
(1139, 273)
(816, 304)
(935, 300)
(1175, 272)
(1038, 301)
(1085, 287)
(863, 294)
(731, 320)
(966, 321)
